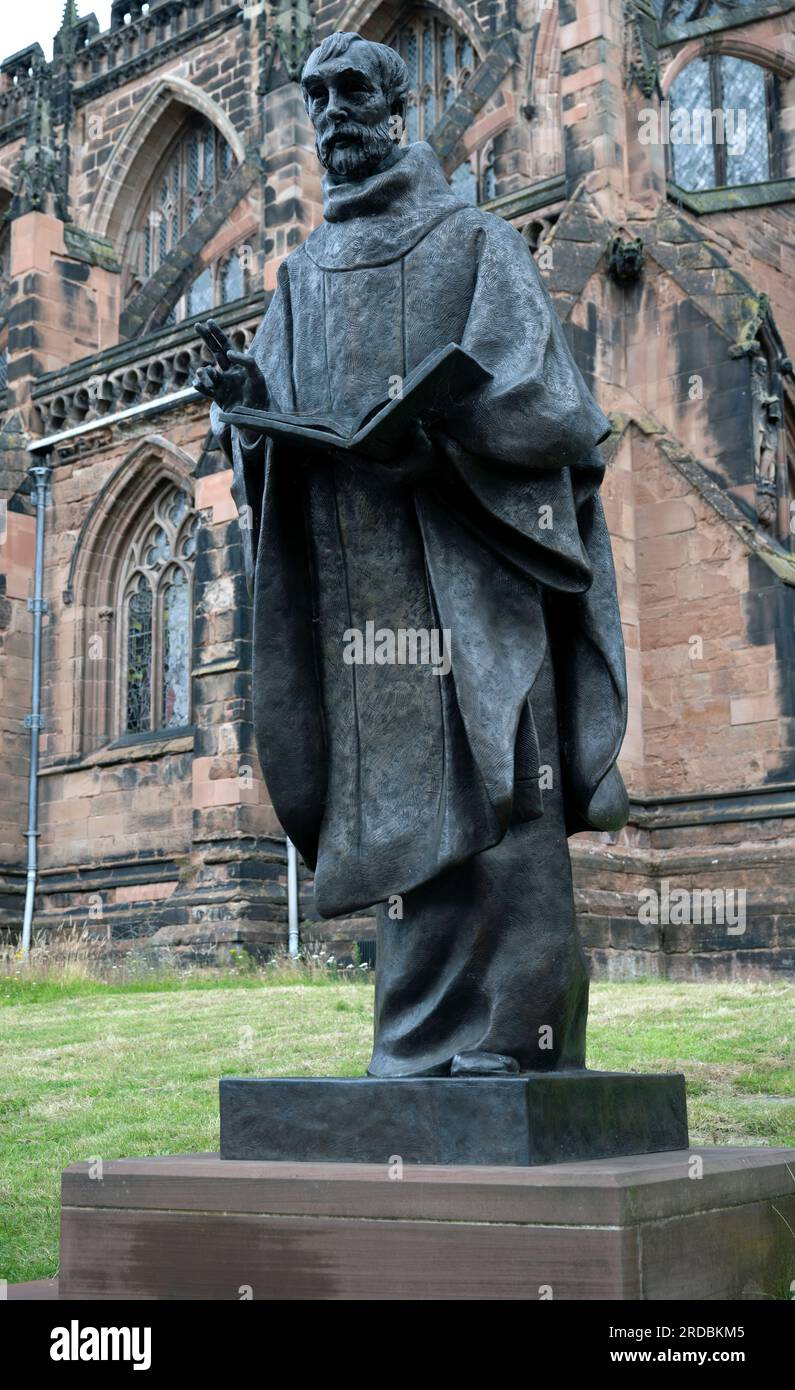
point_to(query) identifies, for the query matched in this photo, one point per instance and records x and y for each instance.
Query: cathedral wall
(761, 242)
(714, 711)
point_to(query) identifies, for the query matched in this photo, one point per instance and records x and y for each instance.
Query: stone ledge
(633, 1228)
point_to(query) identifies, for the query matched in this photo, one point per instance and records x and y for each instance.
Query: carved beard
(356, 161)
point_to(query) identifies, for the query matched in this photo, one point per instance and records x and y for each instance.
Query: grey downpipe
(40, 474)
(292, 898)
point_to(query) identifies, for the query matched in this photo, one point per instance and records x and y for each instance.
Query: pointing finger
(222, 343)
(215, 340)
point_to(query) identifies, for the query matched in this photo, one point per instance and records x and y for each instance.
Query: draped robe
(387, 777)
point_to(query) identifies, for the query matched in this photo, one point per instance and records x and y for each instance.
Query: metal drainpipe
(292, 898)
(40, 474)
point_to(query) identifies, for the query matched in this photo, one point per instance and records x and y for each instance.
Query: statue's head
(355, 93)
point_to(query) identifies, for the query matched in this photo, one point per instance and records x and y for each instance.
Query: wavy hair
(393, 71)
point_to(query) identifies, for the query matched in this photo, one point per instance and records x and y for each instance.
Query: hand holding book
(440, 382)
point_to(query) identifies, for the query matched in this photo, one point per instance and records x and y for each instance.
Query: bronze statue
(439, 683)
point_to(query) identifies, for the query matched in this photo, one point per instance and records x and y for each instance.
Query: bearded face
(354, 150)
(354, 127)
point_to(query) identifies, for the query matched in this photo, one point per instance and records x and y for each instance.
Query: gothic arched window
(722, 127)
(439, 59)
(154, 618)
(187, 178)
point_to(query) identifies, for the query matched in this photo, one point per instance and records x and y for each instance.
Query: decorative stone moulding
(113, 383)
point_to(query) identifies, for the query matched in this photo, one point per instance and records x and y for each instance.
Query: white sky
(23, 22)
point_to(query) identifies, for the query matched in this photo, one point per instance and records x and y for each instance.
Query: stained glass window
(439, 59)
(186, 180)
(139, 657)
(408, 48)
(155, 608)
(747, 148)
(721, 124)
(220, 283)
(158, 549)
(188, 547)
(200, 295)
(232, 278)
(692, 163)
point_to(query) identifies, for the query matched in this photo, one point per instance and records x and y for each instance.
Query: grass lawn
(92, 1070)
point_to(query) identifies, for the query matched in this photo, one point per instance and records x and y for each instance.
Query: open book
(441, 381)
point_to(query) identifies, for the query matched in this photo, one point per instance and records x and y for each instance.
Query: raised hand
(236, 380)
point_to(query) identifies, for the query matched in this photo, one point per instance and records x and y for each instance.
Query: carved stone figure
(439, 684)
(767, 418)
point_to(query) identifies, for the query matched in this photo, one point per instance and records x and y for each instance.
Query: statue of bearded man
(441, 791)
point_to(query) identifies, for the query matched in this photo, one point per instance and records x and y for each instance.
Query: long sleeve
(537, 411)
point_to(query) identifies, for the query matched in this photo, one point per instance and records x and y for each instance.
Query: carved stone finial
(39, 169)
(292, 38)
(640, 46)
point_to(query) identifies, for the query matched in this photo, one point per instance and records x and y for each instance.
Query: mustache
(351, 130)
(369, 136)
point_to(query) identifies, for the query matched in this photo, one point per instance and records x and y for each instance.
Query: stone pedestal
(540, 1117)
(709, 1223)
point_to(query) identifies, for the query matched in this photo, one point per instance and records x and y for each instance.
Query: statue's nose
(335, 106)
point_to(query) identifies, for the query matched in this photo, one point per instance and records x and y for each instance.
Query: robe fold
(386, 776)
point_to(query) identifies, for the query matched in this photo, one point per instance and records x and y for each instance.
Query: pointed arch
(734, 46)
(100, 561)
(141, 145)
(375, 19)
